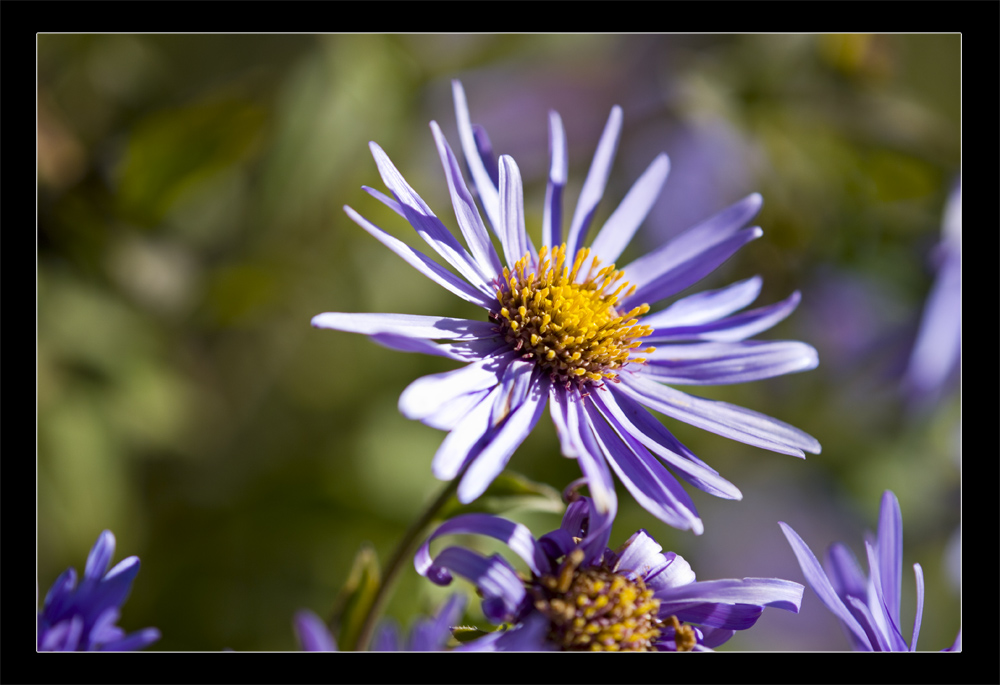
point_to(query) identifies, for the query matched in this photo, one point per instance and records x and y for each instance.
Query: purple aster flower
(580, 595)
(937, 351)
(563, 324)
(82, 618)
(426, 635)
(867, 607)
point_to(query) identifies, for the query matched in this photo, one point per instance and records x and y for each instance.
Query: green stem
(404, 550)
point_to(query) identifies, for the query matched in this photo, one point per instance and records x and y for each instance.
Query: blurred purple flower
(561, 328)
(867, 607)
(82, 618)
(427, 634)
(580, 595)
(937, 351)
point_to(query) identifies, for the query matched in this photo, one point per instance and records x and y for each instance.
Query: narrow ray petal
(729, 420)
(731, 329)
(726, 363)
(552, 212)
(425, 395)
(890, 553)
(649, 482)
(597, 179)
(469, 221)
(407, 325)
(464, 351)
(495, 455)
(768, 592)
(514, 535)
(424, 264)
(706, 306)
(651, 433)
(426, 223)
(489, 196)
(679, 268)
(618, 230)
(919, 574)
(493, 576)
(820, 584)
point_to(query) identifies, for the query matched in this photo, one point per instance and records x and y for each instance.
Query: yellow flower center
(596, 609)
(566, 320)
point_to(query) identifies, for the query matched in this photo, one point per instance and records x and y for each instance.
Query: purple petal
(766, 592)
(724, 616)
(100, 556)
(844, 572)
(919, 573)
(875, 634)
(450, 414)
(500, 586)
(387, 638)
(578, 443)
(821, 585)
(692, 255)
(552, 214)
(488, 464)
(464, 351)
(641, 557)
(650, 483)
(424, 264)
(513, 391)
(512, 235)
(132, 642)
(517, 536)
(713, 637)
(633, 210)
(651, 433)
(60, 595)
(732, 329)
(488, 194)
(409, 325)
(675, 573)
(678, 269)
(427, 394)
(597, 179)
(880, 608)
(476, 235)
(426, 223)
(312, 632)
(707, 306)
(722, 418)
(723, 363)
(890, 554)
(485, 149)
(447, 617)
(465, 440)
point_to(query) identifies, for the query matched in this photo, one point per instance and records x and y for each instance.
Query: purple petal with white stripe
(597, 179)
(727, 363)
(731, 329)
(618, 230)
(729, 420)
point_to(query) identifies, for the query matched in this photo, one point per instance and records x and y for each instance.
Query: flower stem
(404, 550)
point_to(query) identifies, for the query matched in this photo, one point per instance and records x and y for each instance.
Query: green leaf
(508, 492)
(354, 602)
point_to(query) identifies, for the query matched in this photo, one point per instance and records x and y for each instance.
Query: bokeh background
(190, 225)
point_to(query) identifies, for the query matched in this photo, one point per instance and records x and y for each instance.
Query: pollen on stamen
(567, 319)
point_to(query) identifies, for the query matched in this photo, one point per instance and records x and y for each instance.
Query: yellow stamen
(566, 319)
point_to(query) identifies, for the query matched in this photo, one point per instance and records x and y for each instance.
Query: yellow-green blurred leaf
(173, 150)
(354, 601)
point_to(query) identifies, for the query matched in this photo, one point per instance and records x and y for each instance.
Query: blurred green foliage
(190, 225)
